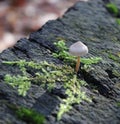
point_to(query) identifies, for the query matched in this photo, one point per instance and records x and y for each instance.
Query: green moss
(118, 104)
(48, 74)
(118, 54)
(30, 116)
(116, 73)
(118, 21)
(63, 53)
(114, 39)
(112, 8)
(75, 95)
(113, 57)
(92, 60)
(22, 83)
(25, 114)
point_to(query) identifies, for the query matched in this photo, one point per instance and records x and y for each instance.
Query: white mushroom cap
(78, 49)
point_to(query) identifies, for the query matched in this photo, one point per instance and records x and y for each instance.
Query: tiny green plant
(112, 8)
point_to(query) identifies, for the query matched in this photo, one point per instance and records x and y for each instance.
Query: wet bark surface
(91, 23)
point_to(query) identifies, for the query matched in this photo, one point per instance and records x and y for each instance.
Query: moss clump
(118, 104)
(118, 21)
(25, 114)
(114, 57)
(112, 8)
(63, 53)
(74, 95)
(116, 73)
(47, 74)
(30, 116)
(22, 83)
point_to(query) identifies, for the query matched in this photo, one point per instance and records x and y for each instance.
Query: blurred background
(18, 18)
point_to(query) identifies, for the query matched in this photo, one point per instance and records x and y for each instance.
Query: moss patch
(114, 57)
(48, 74)
(22, 83)
(27, 115)
(30, 116)
(118, 21)
(118, 104)
(112, 8)
(116, 73)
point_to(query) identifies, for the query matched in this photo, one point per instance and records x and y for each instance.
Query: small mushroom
(78, 49)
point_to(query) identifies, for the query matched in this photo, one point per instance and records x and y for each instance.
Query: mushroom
(78, 49)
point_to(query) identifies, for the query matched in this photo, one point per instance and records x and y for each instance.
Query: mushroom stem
(77, 64)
